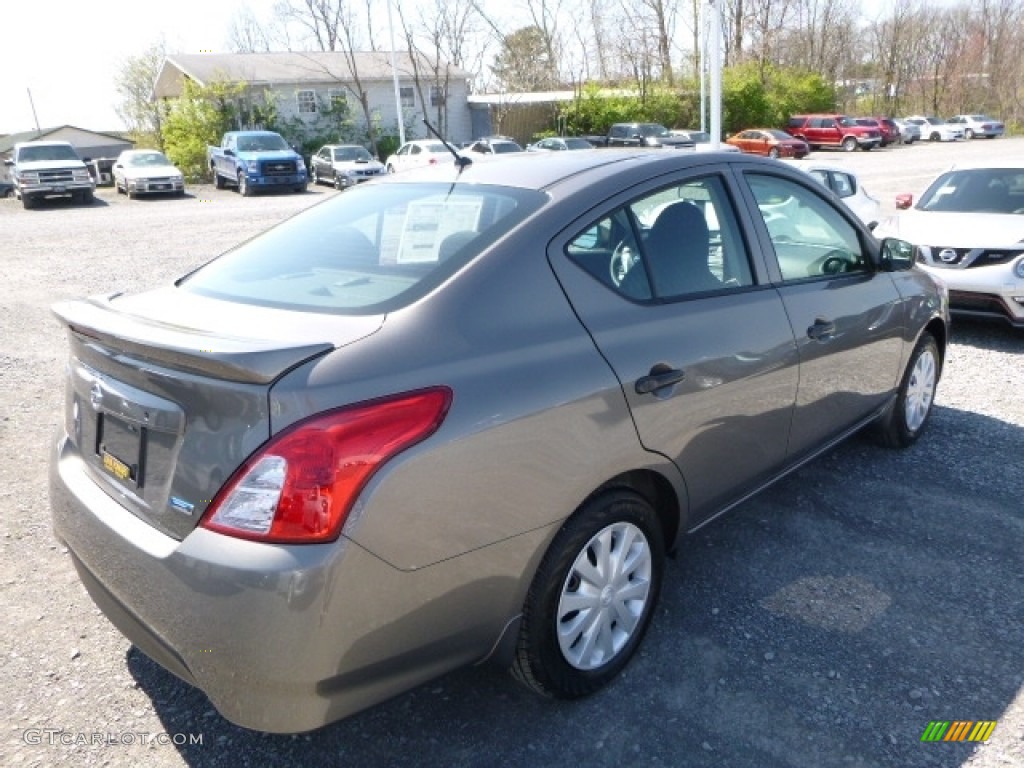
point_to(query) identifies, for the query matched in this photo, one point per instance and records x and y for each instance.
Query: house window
(408, 97)
(437, 96)
(338, 98)
(306, 101)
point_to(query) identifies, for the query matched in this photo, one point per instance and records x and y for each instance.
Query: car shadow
(63, 203)
(825, 622)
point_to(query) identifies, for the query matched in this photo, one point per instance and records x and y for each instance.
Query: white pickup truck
(49, 169)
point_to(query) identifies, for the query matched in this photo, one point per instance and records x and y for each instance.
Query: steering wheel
(836, 262)
(623, 259)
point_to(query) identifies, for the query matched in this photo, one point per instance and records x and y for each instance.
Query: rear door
(709, 369)
(846, 315)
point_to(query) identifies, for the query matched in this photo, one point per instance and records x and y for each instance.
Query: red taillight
(300, 486)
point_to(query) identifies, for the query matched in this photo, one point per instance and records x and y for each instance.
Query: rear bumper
(282, 638)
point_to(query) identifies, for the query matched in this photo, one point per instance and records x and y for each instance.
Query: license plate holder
(120, 446)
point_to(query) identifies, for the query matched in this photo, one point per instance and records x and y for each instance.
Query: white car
(847, 187)
(978, 126)
(935, 128)
(146, 171)
(968, 231)
(417, 154)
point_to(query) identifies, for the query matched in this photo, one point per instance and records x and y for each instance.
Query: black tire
(969, 133)
(243, 186)
(87, 197)
(905, 420)
(935, 137)
(773, 152)
(544, 662)
(27, 202)
(849, 144)
(218, 180)
(300, 190)
(314, 179)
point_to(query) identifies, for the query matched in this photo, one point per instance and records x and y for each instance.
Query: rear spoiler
(247, 360)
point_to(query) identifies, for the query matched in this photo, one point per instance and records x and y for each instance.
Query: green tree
(196, 120)
(141, 113)
(523, 64)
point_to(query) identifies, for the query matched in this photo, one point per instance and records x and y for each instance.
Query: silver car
(463, 414)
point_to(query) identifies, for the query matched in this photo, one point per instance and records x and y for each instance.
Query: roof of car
(541, 170)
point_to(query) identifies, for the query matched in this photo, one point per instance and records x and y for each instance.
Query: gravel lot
(825, 623)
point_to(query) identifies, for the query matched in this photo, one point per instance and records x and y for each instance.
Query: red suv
(889, 130)
(834, 131)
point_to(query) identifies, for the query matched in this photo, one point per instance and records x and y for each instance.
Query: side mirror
(904, 201)
(897, 255)
(8, 161)
(229, 152)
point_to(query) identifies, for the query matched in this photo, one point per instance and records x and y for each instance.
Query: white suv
(935, 128)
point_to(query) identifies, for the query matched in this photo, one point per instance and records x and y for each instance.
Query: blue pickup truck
(255, 160)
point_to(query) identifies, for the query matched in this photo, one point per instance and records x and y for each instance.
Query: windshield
(978, 190)
(261, 143)
(148, 158)
(501, 147)
(373, 249)
(780, 135)
(46, 152)
(352, 155)
(653, 129)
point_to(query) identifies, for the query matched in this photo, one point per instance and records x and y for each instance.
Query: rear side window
(680, 241)
(373, 249)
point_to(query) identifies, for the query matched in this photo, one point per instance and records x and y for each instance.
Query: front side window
(680, 241)
(810, 237)
(306, 101)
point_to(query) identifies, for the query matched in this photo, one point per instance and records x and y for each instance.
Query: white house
(302, 82)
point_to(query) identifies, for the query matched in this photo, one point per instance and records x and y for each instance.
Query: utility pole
(33, 105)
(394, 78)
(716, 75)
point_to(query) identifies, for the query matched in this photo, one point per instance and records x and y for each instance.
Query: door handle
(660, 377)
(822, 330)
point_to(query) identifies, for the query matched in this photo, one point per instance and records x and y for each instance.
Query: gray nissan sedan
(461, 414)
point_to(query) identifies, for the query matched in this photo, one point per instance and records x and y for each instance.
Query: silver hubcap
(604, 596)
(920, 391)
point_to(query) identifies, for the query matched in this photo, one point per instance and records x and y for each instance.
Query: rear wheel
(969, 133)
(218, 180)
(773, 152)
(313, 177)
(592, 597)
(903, 423)
(849, 144)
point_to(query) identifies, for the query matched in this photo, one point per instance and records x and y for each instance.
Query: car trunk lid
(167, 391)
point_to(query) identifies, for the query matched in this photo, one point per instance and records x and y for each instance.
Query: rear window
(374, 249)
